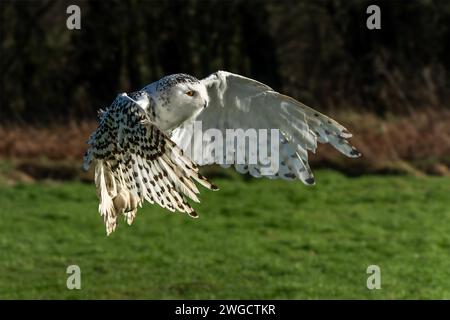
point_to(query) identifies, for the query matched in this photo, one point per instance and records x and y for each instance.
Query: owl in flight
(140, 146)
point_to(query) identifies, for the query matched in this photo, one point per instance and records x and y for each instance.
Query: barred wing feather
(135, 161)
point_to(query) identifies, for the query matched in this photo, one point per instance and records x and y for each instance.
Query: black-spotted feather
(136, 162)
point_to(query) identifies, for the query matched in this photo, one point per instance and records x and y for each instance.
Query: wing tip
(193, 214)
(355, 153)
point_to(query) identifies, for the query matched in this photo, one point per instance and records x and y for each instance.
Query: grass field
(258, 239)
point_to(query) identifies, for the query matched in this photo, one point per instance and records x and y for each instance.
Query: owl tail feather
(114, 198)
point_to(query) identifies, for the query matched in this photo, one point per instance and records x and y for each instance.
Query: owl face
(189, 95)
(177, 98)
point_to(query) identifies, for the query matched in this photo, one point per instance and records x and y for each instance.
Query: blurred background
(389, 87)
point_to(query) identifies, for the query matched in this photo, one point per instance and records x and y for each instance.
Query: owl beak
(205, 104)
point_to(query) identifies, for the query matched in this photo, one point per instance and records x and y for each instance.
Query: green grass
(259, 239)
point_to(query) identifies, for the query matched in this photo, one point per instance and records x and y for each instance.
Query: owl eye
(190, 93)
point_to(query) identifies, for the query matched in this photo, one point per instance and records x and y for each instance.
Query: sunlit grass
(257, 239)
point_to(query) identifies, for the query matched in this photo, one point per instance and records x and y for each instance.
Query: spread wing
(135, 161)
(239, 102)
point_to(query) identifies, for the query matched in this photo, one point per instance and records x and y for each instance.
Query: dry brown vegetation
(418, 143)
(414, 143)
(53, 142)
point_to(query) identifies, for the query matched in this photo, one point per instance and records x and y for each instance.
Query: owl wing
(135, 161)
(237, 102)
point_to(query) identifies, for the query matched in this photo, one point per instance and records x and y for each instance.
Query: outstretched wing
(135, 161)
(239, 102)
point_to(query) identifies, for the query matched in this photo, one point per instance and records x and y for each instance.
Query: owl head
(177, 98)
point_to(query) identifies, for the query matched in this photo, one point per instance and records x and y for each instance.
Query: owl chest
(167, 116)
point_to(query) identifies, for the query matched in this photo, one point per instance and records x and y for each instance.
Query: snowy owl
(139, 148)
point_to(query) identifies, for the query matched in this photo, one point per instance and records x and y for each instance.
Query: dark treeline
(317, 51)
